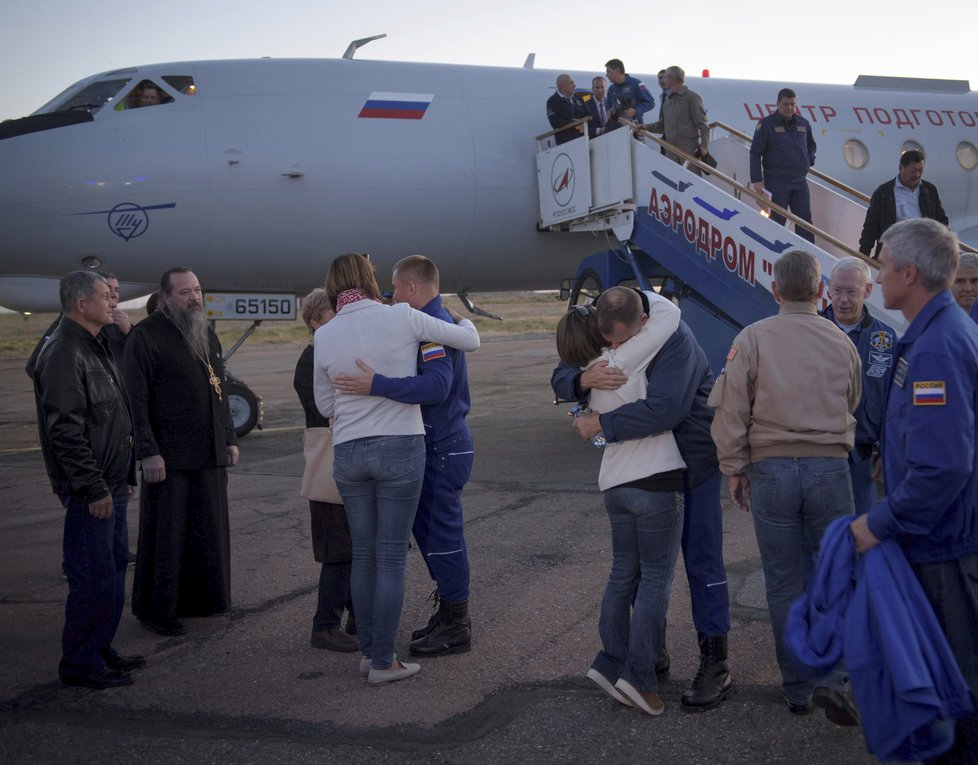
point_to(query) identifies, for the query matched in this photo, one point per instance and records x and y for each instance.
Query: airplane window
(92, 98)
(856, 154)
(912, 146)
(967, 155)
(146, 93)
(181, 84)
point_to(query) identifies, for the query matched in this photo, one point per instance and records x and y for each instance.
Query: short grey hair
(677, 73)
(797, 275)
(77, 284)
(968, 260)
(929, 245)
(849, 263)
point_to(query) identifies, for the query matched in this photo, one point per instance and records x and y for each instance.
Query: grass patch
(522, 313)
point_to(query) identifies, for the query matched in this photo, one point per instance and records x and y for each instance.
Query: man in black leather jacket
(906, 196)
(85, 426)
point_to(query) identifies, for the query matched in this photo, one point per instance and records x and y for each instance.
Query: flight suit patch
(881, 340)
(929, 393)
(876, 370)
(900, 375)
(880, 358)
(432, 351)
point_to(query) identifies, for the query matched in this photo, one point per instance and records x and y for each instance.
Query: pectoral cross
(215, 381)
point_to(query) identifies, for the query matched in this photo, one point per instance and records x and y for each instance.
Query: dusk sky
(47, 45)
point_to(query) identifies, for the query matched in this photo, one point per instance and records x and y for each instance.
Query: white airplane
(256, 173)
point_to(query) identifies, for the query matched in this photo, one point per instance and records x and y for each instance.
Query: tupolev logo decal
(128, 220)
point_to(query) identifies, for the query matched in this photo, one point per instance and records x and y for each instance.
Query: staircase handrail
(813, 171)
(767, 203)
(827, 178)
(568, 126)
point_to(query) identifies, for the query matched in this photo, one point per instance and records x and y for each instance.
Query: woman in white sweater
(379, 449)
(642, 486)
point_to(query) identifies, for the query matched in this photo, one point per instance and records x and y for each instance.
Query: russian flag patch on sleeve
(929, 393)
(432, 351)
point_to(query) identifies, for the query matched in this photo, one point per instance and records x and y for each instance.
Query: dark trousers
(332, 547)
(794, 197)
(702, 546)
(438, 525)
(96, 553)
(952, 589)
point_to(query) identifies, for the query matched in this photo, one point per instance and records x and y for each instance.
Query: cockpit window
(146, 93)
(181, 84)
(92, 98)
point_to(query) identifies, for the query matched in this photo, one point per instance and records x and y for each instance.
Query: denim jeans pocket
(402, 457)
(342, 458)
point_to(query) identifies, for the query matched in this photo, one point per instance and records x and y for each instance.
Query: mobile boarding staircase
(705, 241)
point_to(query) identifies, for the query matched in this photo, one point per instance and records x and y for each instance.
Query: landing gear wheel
(245, 408)
(586, 289)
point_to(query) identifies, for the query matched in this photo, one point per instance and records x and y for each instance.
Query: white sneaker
(605, 685)
(647, 701)
(397, 671)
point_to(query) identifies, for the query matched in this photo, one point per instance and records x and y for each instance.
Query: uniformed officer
(930, 444)
(441, 387)
(781, 152)
(849, 286)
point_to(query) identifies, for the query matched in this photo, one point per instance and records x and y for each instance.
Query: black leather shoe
(839, 706)
(165, 627)
(798, 709)
(122, 663)
(99, 681)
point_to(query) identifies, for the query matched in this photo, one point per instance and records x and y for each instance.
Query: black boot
(451, 632)
(712, 683)
(432, 620)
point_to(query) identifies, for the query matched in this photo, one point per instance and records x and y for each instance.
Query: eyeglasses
(838, 292)
(583, 310)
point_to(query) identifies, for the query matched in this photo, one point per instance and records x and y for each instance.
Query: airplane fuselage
(273, 167)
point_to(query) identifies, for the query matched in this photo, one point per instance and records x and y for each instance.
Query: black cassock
(183, 563)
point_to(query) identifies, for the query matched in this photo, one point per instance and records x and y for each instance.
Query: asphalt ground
(247, 687)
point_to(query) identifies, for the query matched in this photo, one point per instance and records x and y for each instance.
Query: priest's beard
(193, 327)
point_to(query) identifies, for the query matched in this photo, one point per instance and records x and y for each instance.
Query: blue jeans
(792, 502)
(646, 528)
(96, 554)
(379, 479)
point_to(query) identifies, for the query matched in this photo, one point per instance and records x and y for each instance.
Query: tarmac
(246, 687)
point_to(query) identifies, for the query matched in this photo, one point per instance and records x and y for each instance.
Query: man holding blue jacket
(930, 444)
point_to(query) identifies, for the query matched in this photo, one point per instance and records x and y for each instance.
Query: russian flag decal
(432, 351)
(929, 393)
(396, 106)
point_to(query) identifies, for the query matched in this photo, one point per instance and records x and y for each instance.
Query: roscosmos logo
(562, 179)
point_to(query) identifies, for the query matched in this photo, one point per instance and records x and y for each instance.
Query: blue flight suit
(780, 154)
(930, 471)
(679, 383)
(633, 93)
(442, 389)
(875, 341)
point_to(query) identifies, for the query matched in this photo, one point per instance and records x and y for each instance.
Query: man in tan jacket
(784, 429)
